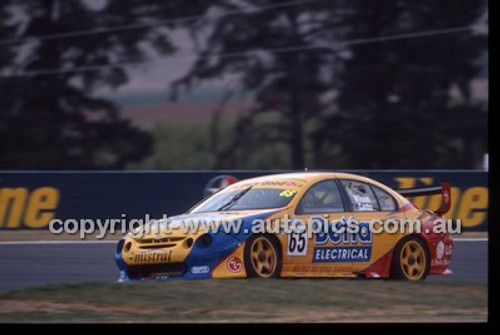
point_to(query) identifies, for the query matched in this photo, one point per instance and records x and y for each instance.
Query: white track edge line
(471, 239)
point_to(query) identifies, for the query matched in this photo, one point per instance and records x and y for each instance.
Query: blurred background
(243, 84)
(235, 88)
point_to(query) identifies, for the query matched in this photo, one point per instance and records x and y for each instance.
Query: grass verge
(302, 300)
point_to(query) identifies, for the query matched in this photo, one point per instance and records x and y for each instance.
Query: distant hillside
(149, 107)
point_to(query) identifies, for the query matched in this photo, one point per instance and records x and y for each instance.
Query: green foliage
(288, 83)
(188, 146)
(178, 146)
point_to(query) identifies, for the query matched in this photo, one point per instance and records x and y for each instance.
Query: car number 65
(297, 244)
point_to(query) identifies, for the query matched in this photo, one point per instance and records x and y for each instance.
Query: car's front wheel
(262, 257)
(410, 260)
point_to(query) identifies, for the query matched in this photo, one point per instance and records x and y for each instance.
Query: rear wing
(444, 190)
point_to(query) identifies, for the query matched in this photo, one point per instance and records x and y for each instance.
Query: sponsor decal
(443, 254)
(200, 269)
(345, 235)
(342, 254)
(284, 183)
(440, 250)
(150, 257)
(440, 262)
(288, 193)
(362, 203)
(234, 264)
(385, 201)
(31, 208)
(448, 249)
(315, 268)
(345, 231)
(280, 183)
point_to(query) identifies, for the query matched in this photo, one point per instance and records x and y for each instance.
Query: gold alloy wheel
(264, 257)
(413, 260)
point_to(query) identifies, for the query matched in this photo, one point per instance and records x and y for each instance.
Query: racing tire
(410, 260)
(262, 257)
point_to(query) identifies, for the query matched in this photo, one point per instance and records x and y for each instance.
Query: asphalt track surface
(24, 264)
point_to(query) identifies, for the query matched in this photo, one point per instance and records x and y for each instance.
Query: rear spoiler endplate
(444, 190)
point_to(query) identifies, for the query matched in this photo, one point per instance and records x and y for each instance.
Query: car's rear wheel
(262, 257)
(410, 260)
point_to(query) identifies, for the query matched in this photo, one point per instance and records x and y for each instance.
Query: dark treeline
(319, 102)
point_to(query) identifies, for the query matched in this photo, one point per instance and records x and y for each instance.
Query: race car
(247, 230)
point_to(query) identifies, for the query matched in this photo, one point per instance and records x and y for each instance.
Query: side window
(323, 197)
(361, 196)
(386, 201)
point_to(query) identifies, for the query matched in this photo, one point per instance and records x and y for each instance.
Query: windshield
(248, 198)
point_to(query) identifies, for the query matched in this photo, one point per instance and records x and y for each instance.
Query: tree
(274, 49)
(395, 104)
(50, 118)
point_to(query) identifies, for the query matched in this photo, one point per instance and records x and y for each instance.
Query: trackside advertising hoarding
(29, 200)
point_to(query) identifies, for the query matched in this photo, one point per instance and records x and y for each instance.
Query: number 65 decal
(297, 244)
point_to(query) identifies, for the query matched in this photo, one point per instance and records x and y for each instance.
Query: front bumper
(180, 260)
